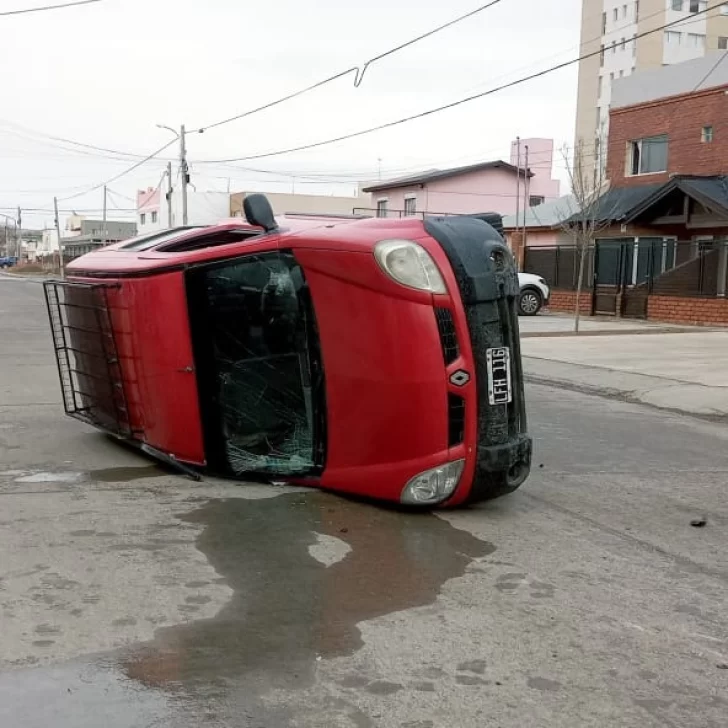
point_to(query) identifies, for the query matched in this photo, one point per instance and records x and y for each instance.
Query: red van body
(165, 342)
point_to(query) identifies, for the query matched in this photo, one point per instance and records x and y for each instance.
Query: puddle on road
(288, 608)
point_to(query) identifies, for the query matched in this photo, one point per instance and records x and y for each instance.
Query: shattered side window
(262, 346)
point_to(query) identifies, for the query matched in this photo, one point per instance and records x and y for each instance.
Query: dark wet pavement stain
(125, 474)
(288, 609)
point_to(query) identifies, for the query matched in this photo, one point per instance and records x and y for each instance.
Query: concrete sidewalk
(676, 368)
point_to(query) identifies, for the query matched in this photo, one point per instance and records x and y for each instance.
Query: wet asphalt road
(133, 598)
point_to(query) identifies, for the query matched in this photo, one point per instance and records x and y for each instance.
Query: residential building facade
(204, 207)
(670, 121)
(618, 39)
(661, 227)
(495, 186)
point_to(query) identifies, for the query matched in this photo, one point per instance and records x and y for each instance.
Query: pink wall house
(485, 187)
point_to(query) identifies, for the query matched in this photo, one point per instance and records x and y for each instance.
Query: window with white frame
(724, 9)
(696, 40)
(672, 37)
(677, 5)
(697, 6)
(410, 205)
(722, 43)
(648, 155)
(382, 207)
(154, 216)
(615, 14)
(706, 135)
(143, 218)
(536, 200)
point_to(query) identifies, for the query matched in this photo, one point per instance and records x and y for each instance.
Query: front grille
(448, 337)
(455, 419)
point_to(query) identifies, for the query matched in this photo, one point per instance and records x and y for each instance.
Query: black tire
(530, 302)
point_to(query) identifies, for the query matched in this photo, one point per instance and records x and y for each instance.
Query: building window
(696, 40)
(623, 44)
(143, 218)
(624, 11)
(604, 23)
(634, 45)
(536, 200)
(672, 37)
(616, 13)
(722, 43)
(621, 74)
(410, 206)
(601, 55)
(611, 77)
(599, 92)
(614, 46)
(636, 10)
(707, 134)
(697, 5)
(154, 216)
(724, 9)
(648, 156)
(677, 5)
(382, 208)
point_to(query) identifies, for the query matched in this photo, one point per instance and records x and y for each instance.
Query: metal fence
(667, 267)
(559, 265)
(660, 266)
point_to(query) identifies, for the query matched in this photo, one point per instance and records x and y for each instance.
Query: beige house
(284, 203)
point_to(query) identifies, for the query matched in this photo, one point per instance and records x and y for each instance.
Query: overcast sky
(106, 74)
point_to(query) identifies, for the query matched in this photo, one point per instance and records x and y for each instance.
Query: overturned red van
(376, 357)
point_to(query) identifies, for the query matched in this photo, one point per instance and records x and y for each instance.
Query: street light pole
(61, 267)
(183, 172)
(183, 168)
(19, 239)
(169, 194)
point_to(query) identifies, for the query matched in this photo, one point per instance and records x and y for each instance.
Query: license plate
(499, 375)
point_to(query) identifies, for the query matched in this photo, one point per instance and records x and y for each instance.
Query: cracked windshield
(364, 367)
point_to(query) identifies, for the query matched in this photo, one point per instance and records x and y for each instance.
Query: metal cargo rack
(86, 352)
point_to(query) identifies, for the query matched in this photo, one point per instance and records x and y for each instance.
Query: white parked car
(534, 294)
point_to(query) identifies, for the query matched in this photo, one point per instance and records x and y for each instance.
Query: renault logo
(459, 378)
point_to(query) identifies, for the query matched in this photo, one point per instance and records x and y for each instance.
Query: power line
(49, 7)
(359, 77)
(445, 107)
(121, 174)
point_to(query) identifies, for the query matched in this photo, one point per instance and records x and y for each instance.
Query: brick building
(670, 121)
(661, 249)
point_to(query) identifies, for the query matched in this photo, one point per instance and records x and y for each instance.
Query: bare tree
(588, 217)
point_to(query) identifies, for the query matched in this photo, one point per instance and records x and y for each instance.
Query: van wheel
(529, 302)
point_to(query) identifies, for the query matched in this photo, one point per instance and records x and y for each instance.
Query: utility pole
(183, 172)
(169, 194)
(526, 198)
(103, 227)
(19, 241)
(60, 245)
(518, 182)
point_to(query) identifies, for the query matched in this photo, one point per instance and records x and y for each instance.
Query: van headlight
(433, 486)
(409, 264)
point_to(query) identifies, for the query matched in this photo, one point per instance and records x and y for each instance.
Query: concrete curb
(669, 395)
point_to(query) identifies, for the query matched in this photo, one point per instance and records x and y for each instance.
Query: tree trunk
(579, 284)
